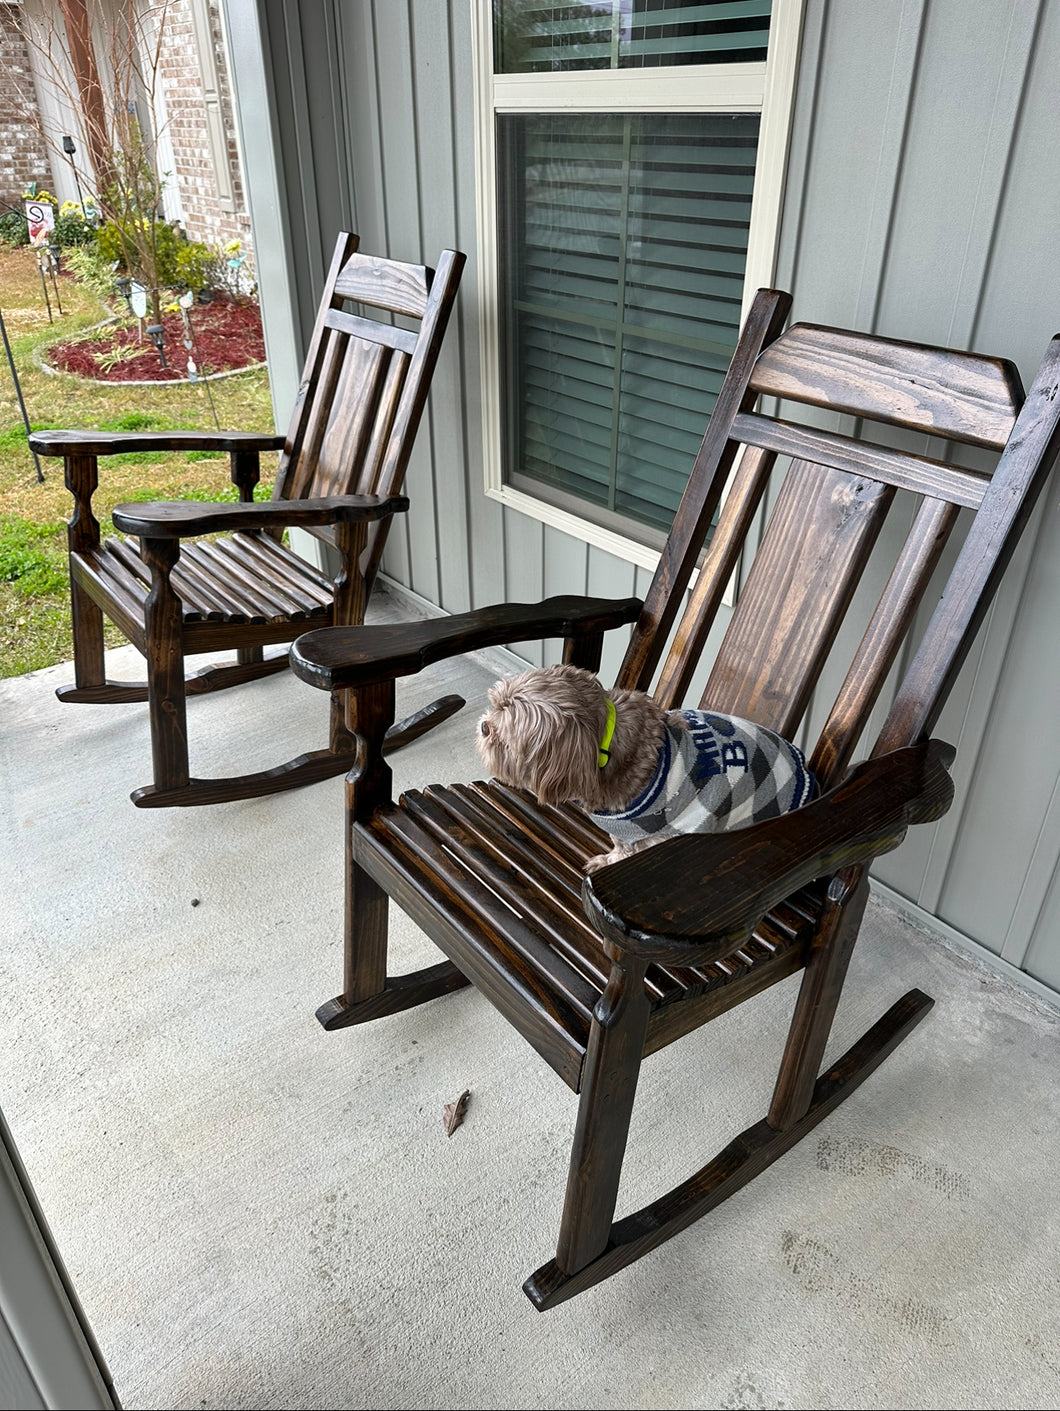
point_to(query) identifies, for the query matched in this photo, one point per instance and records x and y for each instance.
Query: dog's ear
(564, 764)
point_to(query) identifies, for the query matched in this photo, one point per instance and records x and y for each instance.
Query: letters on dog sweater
(715, 773)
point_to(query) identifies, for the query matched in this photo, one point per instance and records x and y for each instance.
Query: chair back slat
(1017, 482)
(702, 496)
(349, 420)
(821, 532)
(719, 564)
(883, 639)
(960, 396)
(298, 470)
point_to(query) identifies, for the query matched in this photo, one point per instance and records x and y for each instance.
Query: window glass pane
(624, 240)
(533, 36)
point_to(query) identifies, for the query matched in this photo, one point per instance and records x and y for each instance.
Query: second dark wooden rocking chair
(599, 973)
(341, 469)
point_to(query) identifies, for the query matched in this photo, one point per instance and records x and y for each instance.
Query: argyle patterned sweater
(715, 773)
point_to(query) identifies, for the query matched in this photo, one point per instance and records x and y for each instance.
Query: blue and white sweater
(715, 773)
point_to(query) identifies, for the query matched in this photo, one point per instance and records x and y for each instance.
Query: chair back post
(699, 504)
(1017, 482)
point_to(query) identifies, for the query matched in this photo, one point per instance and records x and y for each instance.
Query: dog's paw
(605, 859)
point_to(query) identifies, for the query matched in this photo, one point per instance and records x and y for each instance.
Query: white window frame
(765, 88)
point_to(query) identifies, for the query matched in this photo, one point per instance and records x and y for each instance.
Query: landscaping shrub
(14, 228)
(181, 263)
(73, 227)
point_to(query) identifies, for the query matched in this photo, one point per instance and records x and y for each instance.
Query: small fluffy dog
(642, 774)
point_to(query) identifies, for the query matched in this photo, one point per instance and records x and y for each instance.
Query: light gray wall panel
(445, 430)
(398, 81)
(611, 578)
(524, 572)
(566, 570)
(1043, 957)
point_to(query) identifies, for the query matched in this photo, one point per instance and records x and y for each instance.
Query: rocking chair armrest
(180, 519)
(109, 443)
(695, 899)
(336, 658)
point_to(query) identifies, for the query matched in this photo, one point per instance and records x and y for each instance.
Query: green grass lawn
(34, 597)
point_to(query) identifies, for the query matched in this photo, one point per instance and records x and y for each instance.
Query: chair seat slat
(300, 576)
(106, 586)
(264, 589)
(540, 933)
(553, 885)
(302, 599)
(453, 907)
(198, 559)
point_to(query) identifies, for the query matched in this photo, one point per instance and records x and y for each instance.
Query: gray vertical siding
(923, 202)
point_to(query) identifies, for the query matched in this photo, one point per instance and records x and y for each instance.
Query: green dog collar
(605, 744)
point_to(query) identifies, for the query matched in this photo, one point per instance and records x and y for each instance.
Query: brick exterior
(23, 153)
(204, 215)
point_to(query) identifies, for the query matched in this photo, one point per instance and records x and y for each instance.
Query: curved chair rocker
(341, 467)
(597, 973)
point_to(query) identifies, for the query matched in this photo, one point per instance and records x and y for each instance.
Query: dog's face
(542, 732)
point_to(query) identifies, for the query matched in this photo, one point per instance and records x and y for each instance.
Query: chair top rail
(921, 474)
(385, 284)
(962, 396)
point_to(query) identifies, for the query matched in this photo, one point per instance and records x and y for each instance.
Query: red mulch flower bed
(226, 335)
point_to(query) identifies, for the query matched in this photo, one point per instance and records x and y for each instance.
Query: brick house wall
(208, 215)
(23, 153)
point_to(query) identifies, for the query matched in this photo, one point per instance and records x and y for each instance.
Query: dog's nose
(484, 726)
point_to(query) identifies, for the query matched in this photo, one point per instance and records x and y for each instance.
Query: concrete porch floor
(259, 1214)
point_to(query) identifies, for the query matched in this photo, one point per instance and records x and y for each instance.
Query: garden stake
(44, 286)
(18, 394)
(193, 361)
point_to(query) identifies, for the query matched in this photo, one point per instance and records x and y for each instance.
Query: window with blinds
(625, 240)
(531, 36)
(622, 222)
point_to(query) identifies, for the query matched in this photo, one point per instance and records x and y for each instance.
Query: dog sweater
(715, 773)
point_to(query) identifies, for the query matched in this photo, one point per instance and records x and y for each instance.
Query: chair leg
(822, 985)
(609, 1085)
(165, 668)
(87, 619)
(367, 992)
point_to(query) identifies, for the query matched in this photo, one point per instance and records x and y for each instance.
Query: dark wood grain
(820, 534)
(334, 659)
(358, 406)
(175, 519)
(920, 474)
(1018, 480)
(110, 443)
(385, 284)
(961, 396)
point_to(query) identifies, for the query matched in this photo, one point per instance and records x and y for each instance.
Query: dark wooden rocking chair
(598, 973)
(343, 461)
